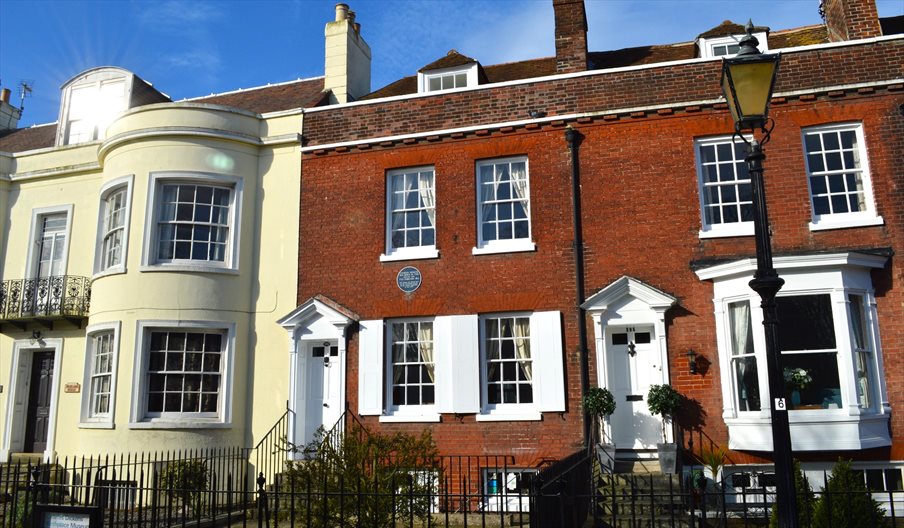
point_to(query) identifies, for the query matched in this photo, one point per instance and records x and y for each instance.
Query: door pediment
(317, 311)
(623, 295)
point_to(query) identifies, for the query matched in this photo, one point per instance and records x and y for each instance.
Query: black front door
(38, 415)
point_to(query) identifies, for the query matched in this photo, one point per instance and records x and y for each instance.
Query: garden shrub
(365, 479)
(185, 480)
(806, 501)
(846, 501)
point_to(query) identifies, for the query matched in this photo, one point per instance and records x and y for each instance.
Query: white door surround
(627, 309)
(314, 323)
(17, 401)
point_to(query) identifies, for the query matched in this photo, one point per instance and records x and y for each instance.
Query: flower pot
(668, 458)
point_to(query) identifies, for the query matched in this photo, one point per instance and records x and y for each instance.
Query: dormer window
(446, 81)
(729, 45)
(452, 72)
(724, 40)
(91, 102)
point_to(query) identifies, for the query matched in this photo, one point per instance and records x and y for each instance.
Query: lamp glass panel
(752, 84)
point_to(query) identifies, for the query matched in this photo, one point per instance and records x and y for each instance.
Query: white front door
(633, 366)
(323, 401)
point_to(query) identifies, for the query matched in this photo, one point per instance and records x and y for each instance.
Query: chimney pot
(4, 95)
(341, 12)
(351, 17)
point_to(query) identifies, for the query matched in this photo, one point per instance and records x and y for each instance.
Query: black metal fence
(223, 487)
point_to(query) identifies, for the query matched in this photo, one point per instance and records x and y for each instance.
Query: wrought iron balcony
(45, 300)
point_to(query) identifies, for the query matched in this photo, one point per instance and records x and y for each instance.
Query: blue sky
(194, 48)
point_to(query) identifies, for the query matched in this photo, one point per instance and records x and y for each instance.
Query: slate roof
(303, 93)
(636, 56)
(728, 28)
(22, 139)
(453, 58)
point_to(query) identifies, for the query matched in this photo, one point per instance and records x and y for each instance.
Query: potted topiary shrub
(665, 401)
(599, 403)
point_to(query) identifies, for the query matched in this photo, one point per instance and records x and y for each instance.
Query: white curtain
(522, 346)
(740, 328)
(428, 195)
(488, 185)
(861, 349)
(519, 182)
(425, 337)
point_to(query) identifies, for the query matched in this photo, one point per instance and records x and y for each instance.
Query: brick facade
(851, 19)
(640, 213)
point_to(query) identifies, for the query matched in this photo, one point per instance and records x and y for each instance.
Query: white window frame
(94, 79)
(485, 247)
(837, 275)
(412, 252)
(426, 412)
(707, 45)
(470, 71)
(730, 229)
(37, 217)
(867, 217)
(106, 420)
(155, 183)
(141, 419)
(124, 183)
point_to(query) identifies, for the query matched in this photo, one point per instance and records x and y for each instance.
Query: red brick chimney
(571, 36)
(851, 19)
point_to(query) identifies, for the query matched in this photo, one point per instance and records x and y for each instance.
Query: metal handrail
(58, 295)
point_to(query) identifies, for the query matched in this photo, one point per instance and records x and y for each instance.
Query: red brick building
(527, 289)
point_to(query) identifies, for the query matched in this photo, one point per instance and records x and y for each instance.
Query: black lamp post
(747, 82)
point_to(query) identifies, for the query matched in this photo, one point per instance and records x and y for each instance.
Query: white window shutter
(546, 351)
(457, 357)
(443, 366)
(370, 367)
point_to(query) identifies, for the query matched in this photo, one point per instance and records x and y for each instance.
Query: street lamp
(747, 82)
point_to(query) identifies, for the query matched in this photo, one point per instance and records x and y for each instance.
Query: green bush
(185, 480)
(599, 402)
(365, 479)
(805, 500)
(846, 501)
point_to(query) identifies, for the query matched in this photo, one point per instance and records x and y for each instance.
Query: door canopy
(628, 294)
(318, 317)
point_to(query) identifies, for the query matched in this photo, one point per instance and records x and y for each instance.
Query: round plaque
(408, 279)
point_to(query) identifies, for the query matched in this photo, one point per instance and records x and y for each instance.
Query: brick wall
(641, 217)
(680, 84)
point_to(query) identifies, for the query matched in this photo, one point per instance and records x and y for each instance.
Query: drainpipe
(573, 137)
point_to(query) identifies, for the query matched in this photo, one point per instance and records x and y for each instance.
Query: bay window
(830, 351)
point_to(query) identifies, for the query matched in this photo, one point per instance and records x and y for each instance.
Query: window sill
(115, 270)
(519, 416)
(96, 425)
(187, 268)
(516, 247)
(735, 230)
(831, 223)
(419, 254)
(188, 423)
(403, 418)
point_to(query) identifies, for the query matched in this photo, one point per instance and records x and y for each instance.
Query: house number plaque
(72, 388)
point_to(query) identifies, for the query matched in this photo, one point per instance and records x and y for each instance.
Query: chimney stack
(347, 65)
(571, 35)
(851, 19)
(9, 114)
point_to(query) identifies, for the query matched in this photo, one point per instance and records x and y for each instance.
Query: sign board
(72, 388)
(60, 516)
(408, 279)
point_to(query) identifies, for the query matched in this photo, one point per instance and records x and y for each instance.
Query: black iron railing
(60, 296)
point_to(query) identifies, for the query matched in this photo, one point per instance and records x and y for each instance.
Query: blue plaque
(408, 279)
